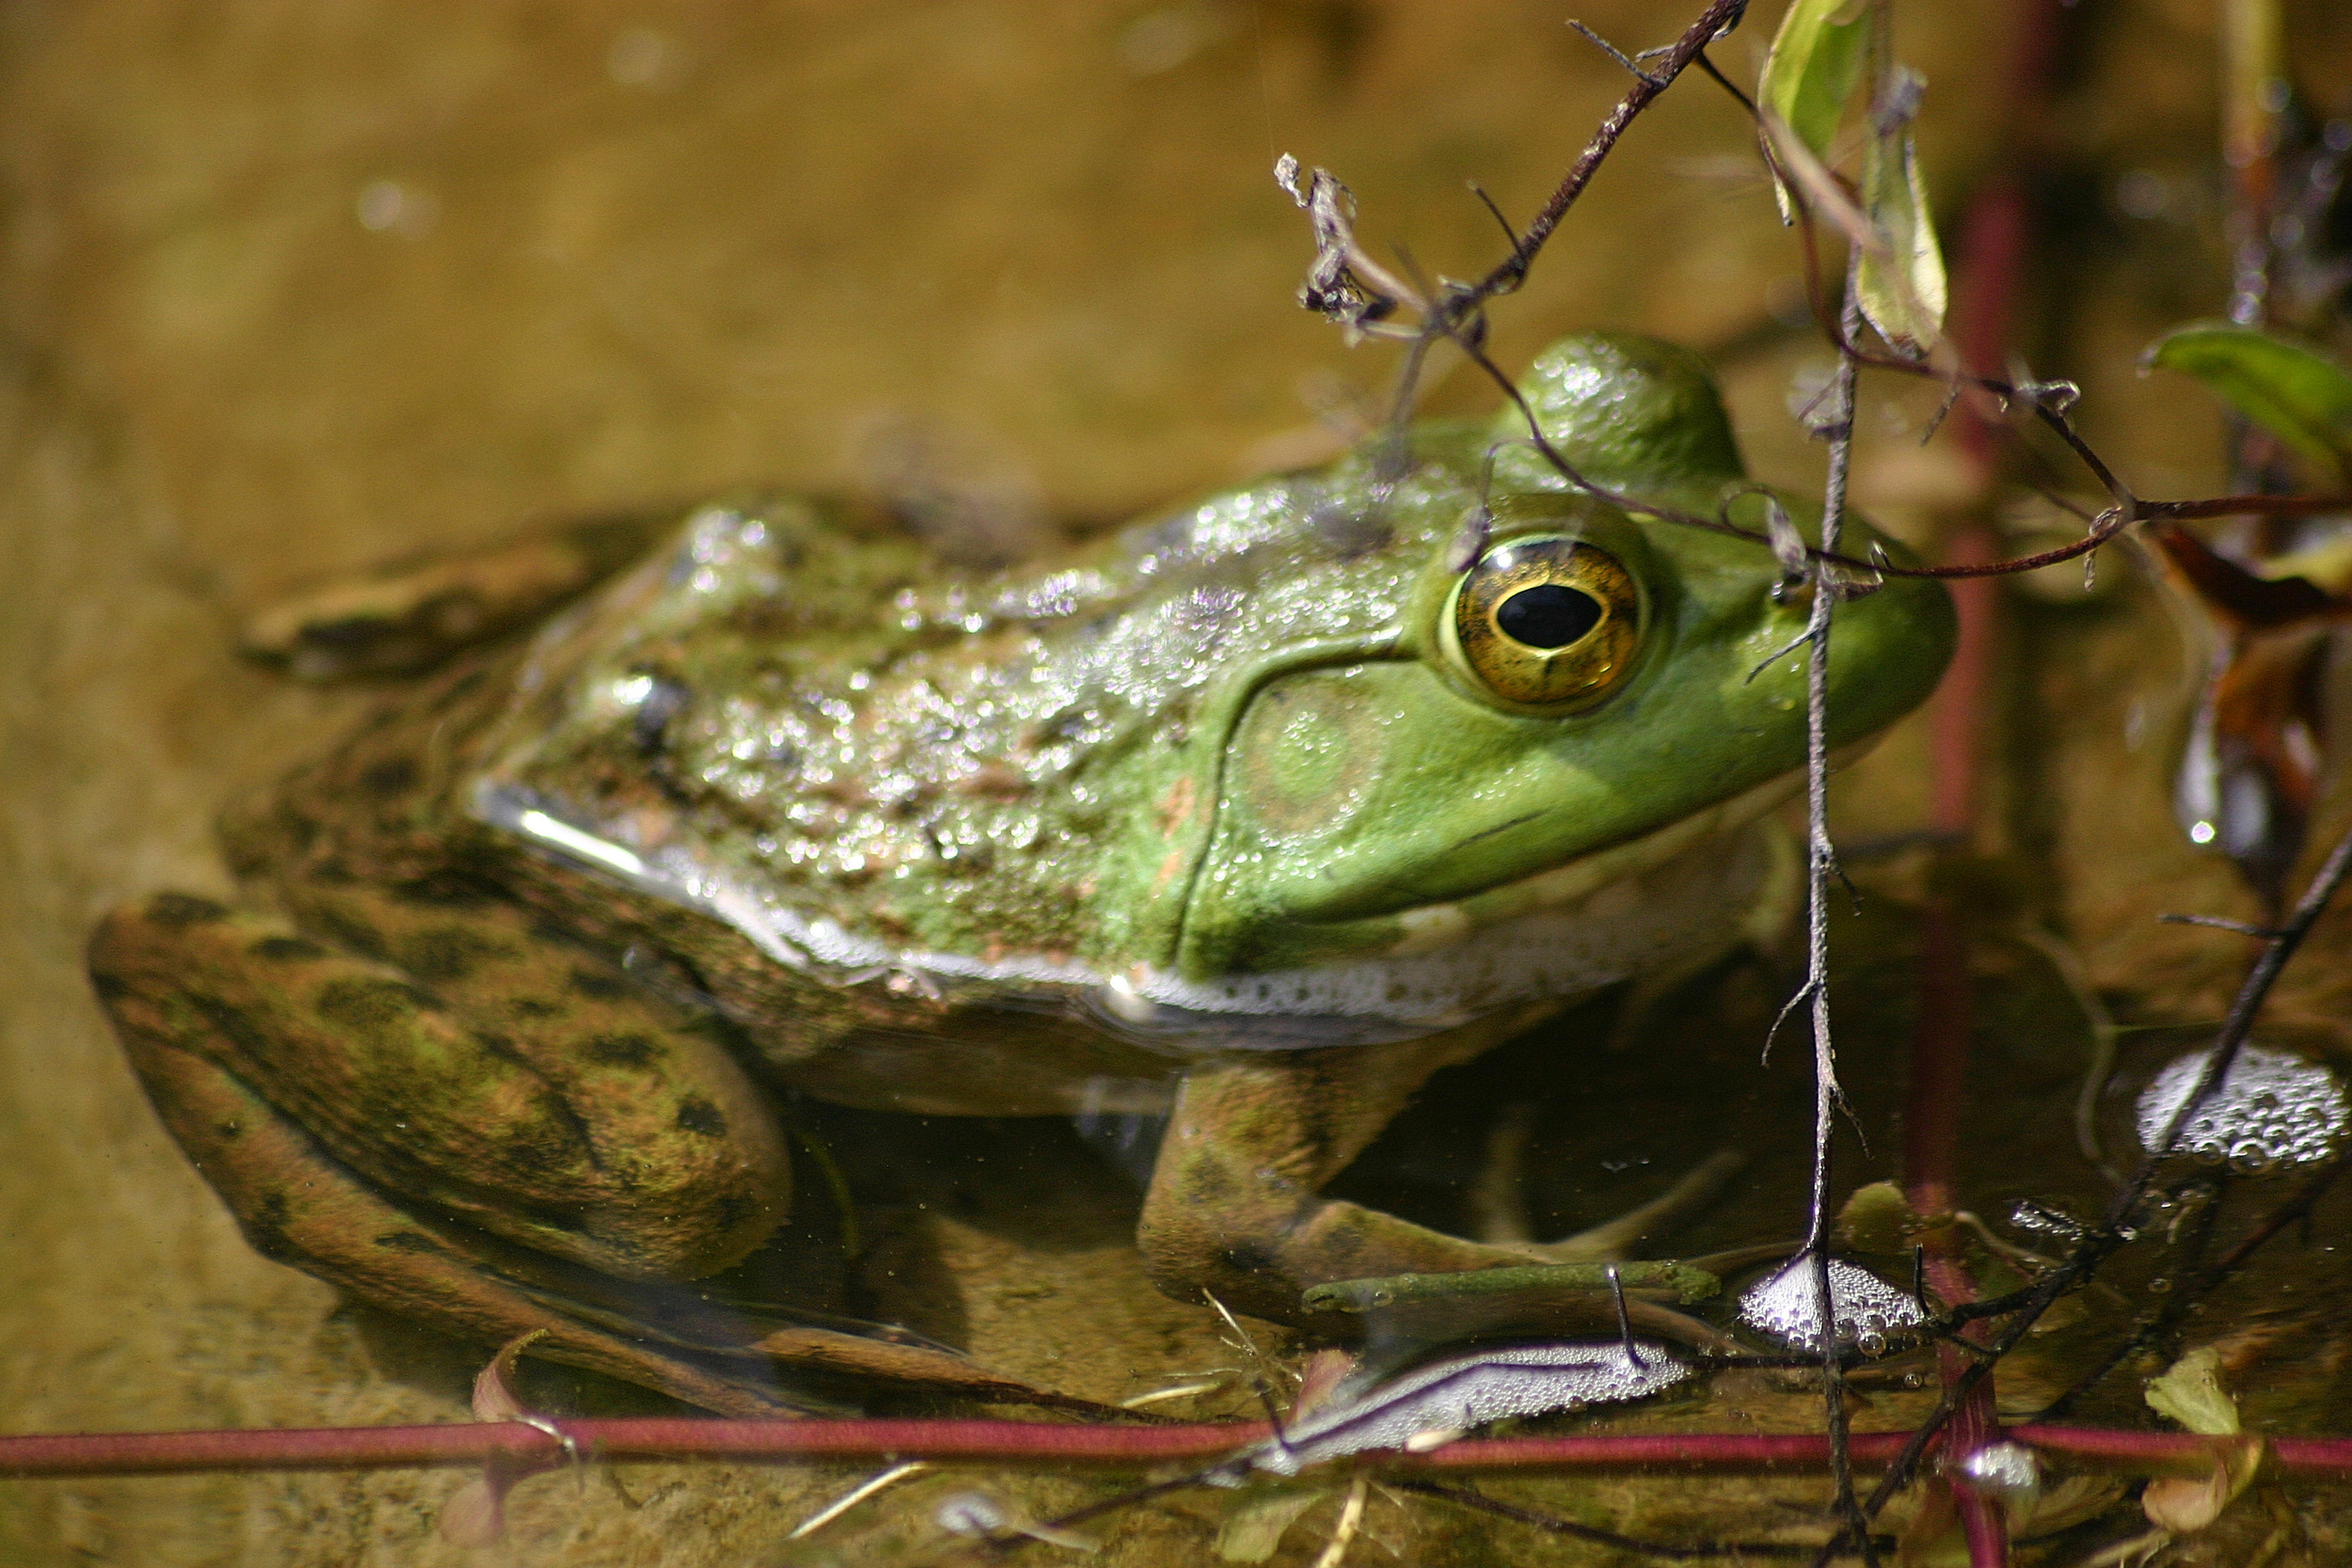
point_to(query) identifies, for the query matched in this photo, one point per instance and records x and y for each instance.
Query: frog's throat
(1674, 898)
(1429, 927)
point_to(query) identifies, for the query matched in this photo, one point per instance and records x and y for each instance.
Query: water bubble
(2005, 1470)
(1784, 1306)
(2273, 1110)
(971, 1513)
(2047, 1219)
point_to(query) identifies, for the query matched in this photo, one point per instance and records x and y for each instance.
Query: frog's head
(1585, 695)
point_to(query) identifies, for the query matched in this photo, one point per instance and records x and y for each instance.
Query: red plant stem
(1984, 1524)
(785, 1442)
(1015, 1444)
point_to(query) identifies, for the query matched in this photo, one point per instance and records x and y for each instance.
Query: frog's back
(797, 766)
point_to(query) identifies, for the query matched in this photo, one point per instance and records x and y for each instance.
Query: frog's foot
(327, 1097)
(411, 616)
(1235, 1210)
(1701, 1187)
(1498, 1201)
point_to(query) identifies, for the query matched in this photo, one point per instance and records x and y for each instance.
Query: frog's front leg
(1236, 1206)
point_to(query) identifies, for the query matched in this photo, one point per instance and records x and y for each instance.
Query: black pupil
(1547, 615)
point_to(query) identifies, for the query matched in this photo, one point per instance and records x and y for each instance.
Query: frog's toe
(1699, 1189)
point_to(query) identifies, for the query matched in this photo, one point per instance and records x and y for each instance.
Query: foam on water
(1784, 1305)
(2273, 1110)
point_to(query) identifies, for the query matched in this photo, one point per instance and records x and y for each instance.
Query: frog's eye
(1545, 623)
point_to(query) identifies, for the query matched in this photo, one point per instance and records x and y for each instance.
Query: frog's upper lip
(1433, 926)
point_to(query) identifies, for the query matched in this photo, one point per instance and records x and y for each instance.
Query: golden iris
(1546, 622)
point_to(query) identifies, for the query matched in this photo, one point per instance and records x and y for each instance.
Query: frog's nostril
(1547, 615)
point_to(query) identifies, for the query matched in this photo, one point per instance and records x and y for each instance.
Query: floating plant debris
(2272, 1110)
(1435, 1402)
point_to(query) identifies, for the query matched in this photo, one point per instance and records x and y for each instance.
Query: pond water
(291, 293)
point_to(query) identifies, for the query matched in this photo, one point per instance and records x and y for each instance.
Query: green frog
(1252, 816)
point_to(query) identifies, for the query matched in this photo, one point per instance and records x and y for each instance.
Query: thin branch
(2184, 1299)
(1820, 862)
(1720, 17)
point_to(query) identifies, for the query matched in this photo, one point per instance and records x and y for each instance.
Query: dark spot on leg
(300, 829)
(1204, 1182)
(534, 1006)
(176, 909)
(408, 1240)
(392, 776)
(266, 1226)
(364, 1002)
(719, 1030)
(239, 1030)
(545, 1147)
(499, 1046)
(561, 1141)
(632, 1051)
(350, 931)
(588, 982)
(349, 631)
(445, 952)
(697, 1115)
(287, 950)
(227, 1131)
(1246, 1258)
(108, 987)
(443, 890)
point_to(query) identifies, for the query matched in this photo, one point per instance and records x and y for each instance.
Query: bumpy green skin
(1076, 759)
(901, 833)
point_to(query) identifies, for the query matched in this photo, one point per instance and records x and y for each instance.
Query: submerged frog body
(1252, 815)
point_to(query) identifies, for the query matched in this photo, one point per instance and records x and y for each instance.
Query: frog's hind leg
(326, 1096)
(412, 614)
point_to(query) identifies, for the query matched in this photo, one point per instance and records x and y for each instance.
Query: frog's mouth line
(1352, 1000)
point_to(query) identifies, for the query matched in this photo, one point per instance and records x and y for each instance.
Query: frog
(1250, 817)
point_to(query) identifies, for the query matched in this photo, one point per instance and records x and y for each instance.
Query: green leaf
(1900, 284)
(1814, 61)
(2302, 398)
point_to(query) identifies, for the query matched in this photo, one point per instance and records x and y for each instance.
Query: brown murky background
(290, 289)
